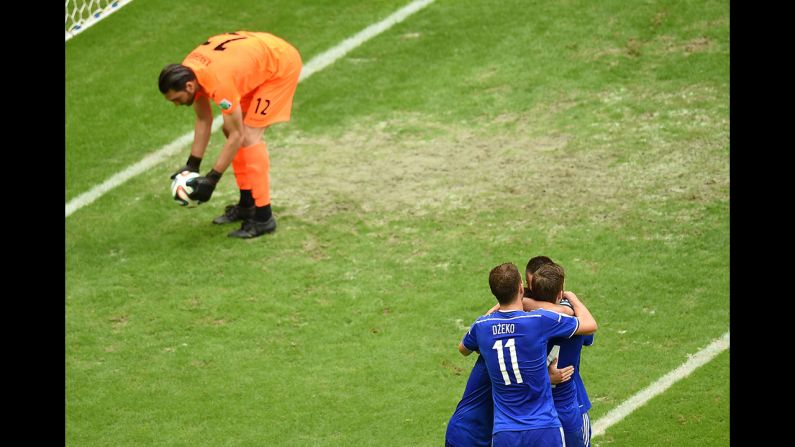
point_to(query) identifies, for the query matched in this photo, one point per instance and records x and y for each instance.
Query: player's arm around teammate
(529, 304)
(587, 322)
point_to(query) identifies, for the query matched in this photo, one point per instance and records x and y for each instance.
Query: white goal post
(81, 14)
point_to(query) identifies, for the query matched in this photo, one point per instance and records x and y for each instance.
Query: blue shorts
(464, 442)
(548, 437)
(574, 438)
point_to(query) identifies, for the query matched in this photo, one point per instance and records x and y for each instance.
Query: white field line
(328, 57)
(96, 17)
(697, 360)
(317, 63)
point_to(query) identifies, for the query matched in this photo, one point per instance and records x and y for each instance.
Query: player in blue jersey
(565, 395)
(472, 421)
(569, 354)
(471, 424)
(576, 425)
(513, 344)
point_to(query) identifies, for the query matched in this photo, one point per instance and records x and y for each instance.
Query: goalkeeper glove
(203, 187)
(192, 165)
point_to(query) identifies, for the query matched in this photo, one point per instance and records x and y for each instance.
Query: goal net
(81, 14)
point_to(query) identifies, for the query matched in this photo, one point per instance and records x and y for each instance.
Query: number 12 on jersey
(511, 345)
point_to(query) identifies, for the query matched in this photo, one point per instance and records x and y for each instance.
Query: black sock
(263, 213)
(246, 199)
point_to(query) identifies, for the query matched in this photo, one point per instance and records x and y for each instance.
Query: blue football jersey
(473, 418)
(514, 346)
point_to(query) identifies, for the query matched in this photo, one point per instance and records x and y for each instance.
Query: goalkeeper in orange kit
(251, 77)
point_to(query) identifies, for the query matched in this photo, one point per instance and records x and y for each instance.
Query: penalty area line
(316, 64)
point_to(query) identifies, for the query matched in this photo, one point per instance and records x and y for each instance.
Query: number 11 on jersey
(511, 345)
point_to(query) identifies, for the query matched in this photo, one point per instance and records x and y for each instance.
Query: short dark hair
(548, 282)
(534, 263)
(174, 77)
(505, 281)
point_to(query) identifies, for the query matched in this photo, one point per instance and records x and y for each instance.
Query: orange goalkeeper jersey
(232, 65)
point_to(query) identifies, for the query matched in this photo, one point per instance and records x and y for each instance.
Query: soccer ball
(180, 190)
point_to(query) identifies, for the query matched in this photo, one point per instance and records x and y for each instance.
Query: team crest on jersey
(225, 104)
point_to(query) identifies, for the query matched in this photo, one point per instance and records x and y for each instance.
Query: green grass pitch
(471, 134)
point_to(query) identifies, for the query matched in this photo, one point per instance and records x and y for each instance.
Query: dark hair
(504, 281)
(534, 263)
(174, 77)
(548, 282)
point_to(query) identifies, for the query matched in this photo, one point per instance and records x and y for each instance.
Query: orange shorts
(272, 102)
